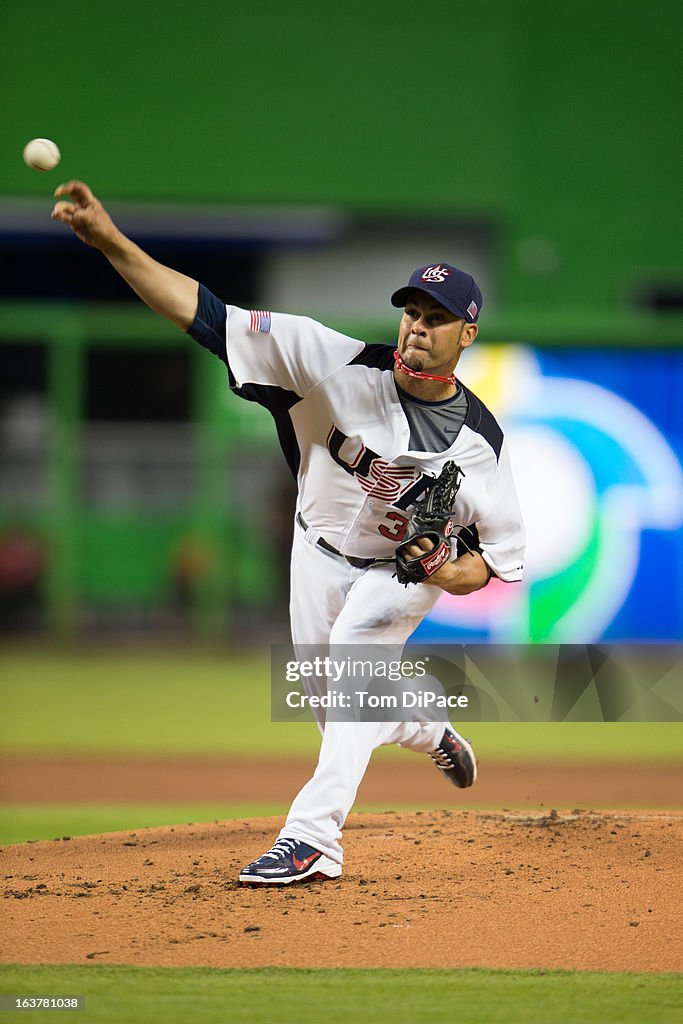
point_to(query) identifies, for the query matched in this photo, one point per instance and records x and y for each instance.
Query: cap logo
(472, 309)
(437, 273)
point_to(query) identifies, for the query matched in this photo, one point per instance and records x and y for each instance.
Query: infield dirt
(436, 889)
(598, 890)
(407, 781)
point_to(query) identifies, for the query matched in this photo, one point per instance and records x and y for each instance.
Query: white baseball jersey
(345, 435)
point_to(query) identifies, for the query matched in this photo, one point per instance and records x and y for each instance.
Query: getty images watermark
(360, 683)
(478, 682)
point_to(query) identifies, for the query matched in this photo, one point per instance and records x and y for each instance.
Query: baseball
(41, 154)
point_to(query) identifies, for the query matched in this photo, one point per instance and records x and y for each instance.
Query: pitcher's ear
(468, 334)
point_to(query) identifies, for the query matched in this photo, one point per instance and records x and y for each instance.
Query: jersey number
(400, 526)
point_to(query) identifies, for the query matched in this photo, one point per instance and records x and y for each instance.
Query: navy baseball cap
(453, 288)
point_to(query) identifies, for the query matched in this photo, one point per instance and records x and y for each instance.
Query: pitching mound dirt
(432, 889)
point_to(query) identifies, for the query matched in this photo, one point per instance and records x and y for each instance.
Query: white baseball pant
(333, 603)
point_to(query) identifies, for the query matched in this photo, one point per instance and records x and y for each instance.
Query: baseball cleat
(455, 759)
(289, 860)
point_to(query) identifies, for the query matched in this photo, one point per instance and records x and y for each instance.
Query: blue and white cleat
(289, 860)
(454, 757)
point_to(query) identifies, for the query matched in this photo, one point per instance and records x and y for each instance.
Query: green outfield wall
(556, 122)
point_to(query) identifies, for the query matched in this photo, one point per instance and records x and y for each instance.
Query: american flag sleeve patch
(259, 321)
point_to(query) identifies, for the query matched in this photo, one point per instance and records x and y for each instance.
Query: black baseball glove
(431, 518)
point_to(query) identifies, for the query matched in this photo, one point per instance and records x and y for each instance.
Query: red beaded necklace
(402, 368)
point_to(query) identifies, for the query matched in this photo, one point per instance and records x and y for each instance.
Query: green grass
(20, 823)
(28, 822)
(148, 703)
(190, 703)
(204, 996)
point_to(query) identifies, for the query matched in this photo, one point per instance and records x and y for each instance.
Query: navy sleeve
(208, 326)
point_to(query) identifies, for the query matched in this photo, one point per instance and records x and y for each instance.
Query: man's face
(430, 337)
